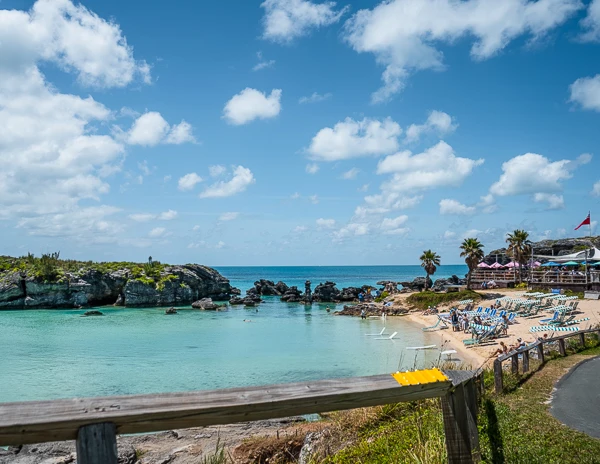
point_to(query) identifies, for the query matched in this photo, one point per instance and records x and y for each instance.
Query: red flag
(586, 221)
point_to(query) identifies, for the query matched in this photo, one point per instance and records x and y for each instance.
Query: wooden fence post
(525, 361)
(582, 339)
(540, 350)
(561, 347)
(97, 444)
(460, 424)
(498, 385)
(514, 363)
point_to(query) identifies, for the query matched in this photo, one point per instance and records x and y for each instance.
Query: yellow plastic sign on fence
(420, 377)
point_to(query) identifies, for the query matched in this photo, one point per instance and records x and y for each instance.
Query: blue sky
(295, 132)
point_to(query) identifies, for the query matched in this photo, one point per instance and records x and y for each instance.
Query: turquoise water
(343, 276)
(59, 354)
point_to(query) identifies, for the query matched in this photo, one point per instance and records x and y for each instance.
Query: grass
(422, 300)
(513, 428)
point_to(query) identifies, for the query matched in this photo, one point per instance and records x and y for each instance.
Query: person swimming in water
(327, 309)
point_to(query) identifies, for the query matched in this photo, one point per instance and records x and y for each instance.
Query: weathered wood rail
(95, 422)
(538, 348)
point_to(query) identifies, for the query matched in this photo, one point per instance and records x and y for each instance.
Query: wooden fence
(95, 422)
(538, 348)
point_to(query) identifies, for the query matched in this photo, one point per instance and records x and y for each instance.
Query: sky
(295, 132)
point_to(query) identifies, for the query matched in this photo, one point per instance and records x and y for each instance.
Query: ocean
(48, 354)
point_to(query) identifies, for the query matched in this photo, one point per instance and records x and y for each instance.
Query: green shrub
(422, 300)
(382, 297)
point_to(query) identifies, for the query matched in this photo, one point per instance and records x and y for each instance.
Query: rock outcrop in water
(95, 284)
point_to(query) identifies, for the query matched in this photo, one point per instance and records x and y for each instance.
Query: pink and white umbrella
(513, 264)
(484, 265)
(496, 266)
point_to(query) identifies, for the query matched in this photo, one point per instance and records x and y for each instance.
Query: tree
(519, 248)
(472, 251)
(429, 261)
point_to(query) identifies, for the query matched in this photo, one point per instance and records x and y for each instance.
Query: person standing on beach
(363, 314)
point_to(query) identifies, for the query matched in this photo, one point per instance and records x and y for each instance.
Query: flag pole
(587, 252)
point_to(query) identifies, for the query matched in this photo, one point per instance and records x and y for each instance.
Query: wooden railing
(537, 347)
(95, 422)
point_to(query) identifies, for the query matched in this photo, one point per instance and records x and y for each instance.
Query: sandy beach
(476, 356)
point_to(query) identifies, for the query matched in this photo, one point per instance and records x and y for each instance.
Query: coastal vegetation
(429, 261)
(472, 251)
(422, 300)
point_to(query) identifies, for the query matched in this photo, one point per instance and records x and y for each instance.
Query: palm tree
(519, 248)
(472, 251)
(429, 261)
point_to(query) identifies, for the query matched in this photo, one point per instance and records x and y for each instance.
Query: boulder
(93, 313)
(418, 284)
(205, 304)
(266, 287)
(235, 291)
(292, 295)
(247, 301)
(326, 293)
(281, 287)
(349, 294)
(171, 311)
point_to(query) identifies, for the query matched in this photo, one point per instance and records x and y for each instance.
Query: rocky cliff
(167, 286)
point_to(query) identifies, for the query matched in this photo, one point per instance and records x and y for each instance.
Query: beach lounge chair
(554, 318)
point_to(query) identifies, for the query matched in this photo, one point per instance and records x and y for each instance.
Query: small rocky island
(48, 282)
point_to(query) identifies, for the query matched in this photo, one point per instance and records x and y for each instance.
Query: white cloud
(353, 139)
(448, 235)
(157, 232)
(251, 104)
(300, 229)
(586, 92)
(217, 170)
(531, 173)
(404, 34)
(286, 20)
(312, 168)
(596, 189)
(325, 223)
(142, 217)
(315, 98)
(391, 226)
(74, 38)
(437, 166)
(350, 174)
(150, 129)
(220, 244)
(52, 142)
(385, 202)
(167, 215)
(145, 217)
(167, 179)
(554, 201)
(229, 216)
(262, 63)
(487, 203)
(242, 178)
(295, 196)
(314, 199)
(353, 229)
(449, 206)
(82, 224)
(592, 22)
(363, 188)
(189, 181)
(180, 133)
(437, 122)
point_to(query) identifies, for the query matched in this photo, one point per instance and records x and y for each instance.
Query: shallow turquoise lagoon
(59, 354)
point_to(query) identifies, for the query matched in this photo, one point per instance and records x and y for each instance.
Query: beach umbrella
(512, 264)
(550, 263)
(536, 264)
(570, 263)
(483, 264)
(496, 266)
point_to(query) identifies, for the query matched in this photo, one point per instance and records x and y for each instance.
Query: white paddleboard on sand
(428, 347)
